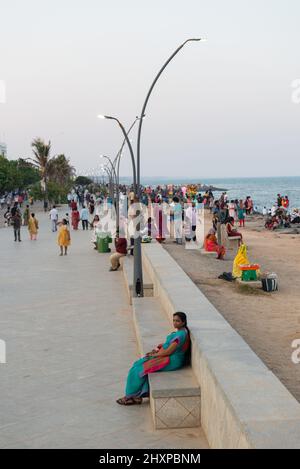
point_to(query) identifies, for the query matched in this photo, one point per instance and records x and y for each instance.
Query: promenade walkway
(70, 341)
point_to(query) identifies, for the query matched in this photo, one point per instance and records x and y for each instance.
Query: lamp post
(146, 102)
(138, 273)
(115, 201)
(116, 164)
(119, 154)
(137, 259)
(137, 245)
(128, 143)
(110, 181)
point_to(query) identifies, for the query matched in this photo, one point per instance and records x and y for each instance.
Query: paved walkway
(70, 342)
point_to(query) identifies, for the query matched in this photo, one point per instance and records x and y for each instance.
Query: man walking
(16, 220)
(84, 217)
(53, 217)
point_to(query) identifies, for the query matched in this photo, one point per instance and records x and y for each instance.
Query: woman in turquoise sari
(171, 355)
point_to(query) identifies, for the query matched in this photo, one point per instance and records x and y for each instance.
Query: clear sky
(222, 108)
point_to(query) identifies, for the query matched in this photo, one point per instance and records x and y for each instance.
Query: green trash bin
(103, 240)
(249, 275)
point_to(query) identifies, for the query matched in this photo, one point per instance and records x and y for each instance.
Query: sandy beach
(268, 322)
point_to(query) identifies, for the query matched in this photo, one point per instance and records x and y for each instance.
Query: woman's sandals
(129, 401)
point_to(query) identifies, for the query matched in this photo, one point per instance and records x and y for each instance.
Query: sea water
(262, 190)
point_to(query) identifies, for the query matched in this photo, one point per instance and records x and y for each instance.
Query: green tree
(16, 174)
(82, 181)
(41, 151)
(61, 171)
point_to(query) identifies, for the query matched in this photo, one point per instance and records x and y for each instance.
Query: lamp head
(198, 39)
(101, 116)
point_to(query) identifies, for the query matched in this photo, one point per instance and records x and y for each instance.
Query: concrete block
(208, 253)
(243, 404)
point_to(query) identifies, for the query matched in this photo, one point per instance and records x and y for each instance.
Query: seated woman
(211, 244)
(121, 251)
(171, 355)
(295, 216)
(272, 223)
(232, 231)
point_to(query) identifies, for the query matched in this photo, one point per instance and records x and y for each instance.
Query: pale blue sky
(222, 108)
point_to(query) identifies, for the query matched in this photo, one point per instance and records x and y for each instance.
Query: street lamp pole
(119, 154)
(113, 172)
(128, 143)
(137, 244)
(116, 164)
(138, 273)
(146, 102)
(110, 180)
(137, 259)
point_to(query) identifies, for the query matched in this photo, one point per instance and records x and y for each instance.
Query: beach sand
(268, 322)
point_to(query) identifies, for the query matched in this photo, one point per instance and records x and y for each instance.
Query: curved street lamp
(128, 143)
(110, 180)
(138, 273)
(138, 153)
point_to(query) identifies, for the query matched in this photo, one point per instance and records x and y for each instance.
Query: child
(67, 219)
(241, 214)
(64, 238)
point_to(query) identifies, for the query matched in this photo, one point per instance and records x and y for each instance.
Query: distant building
(3, 149)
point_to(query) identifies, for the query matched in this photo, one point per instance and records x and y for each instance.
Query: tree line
(46, 177)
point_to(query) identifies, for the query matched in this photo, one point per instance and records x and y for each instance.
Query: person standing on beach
(16, 221)
(75, 218)
(64, 237)
(53, 217)
(241, 213)
(33, 226)
(26, 215)
(250, 202)
(84, 217)
(279, 200)
(285, 202)
(15, 209)
(232, 209)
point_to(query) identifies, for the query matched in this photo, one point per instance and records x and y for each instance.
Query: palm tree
(60, 170)
(41, 160)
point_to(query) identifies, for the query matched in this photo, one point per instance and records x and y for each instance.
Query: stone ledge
(243, 404)
(177, 383)
(208, 253)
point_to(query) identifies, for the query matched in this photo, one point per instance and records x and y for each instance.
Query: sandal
(129, 401)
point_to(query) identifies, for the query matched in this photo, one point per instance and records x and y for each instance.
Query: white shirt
(53, 214)
(191, 214)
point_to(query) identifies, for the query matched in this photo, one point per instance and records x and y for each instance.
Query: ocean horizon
(263, 190)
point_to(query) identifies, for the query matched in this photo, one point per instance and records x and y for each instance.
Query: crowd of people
(8, 199)
(280, 216)
(87, 210)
